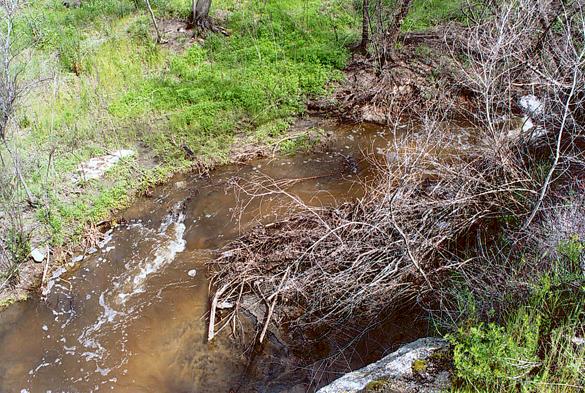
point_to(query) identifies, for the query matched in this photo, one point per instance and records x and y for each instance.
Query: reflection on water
(132, 317)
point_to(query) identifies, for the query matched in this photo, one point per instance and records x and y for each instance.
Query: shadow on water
(132, 317)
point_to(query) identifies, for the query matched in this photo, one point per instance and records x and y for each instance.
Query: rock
(527, 124)
(255, 306)
(296, 389)
(72, 3)
(533, 109)
(77, 258)
(96, 167)
(225, 305)
(531, 105)
(409, 369)
(38, 254)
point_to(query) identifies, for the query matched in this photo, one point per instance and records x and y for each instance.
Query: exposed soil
(177, 35)
(421, 76)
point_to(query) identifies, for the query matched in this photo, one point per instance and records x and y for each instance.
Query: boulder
(416, 367)
(531, 105)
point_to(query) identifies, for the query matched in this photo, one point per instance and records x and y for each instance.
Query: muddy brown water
(132, 316)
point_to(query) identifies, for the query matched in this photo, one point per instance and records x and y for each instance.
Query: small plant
(301, 143)
(140, 31)
(573, 250)
(533, 349)
(494, 357)
(70, 53)
(376, 385)
(18, 243)
(423, 50)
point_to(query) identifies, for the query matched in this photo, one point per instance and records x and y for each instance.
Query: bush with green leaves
(538, 346)
(496, 357)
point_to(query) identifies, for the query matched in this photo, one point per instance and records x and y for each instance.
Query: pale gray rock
(96, 167)
(531, 105)
(38, 254)
(395, 369)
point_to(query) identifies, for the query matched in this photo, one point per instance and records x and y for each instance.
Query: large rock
(531, 105)
(416, 367)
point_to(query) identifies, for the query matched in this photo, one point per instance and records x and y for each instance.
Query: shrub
(534, 348)
(495, 357)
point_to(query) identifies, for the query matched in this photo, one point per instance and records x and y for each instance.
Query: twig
(553, 168)
(272, 305)
(211, 330)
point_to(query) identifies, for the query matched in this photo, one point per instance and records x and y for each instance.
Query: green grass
(425, 14)
(106, 86)
(279, 53)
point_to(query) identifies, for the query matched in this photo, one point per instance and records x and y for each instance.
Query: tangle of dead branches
(391, 247)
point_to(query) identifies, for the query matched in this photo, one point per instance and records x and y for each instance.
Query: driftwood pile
(392, 247)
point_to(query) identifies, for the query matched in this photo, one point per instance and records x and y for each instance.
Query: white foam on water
(116, 301)
(119, 302)
(165, 254)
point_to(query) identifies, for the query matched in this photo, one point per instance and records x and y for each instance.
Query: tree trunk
(200, 13)
(393, 32)
(153, 18)
(363, 46)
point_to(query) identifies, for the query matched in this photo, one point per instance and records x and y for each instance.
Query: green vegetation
(105, 85)
(376, 385)
(428, 13)
(108, 86)
(419, 366)
(536, 347)
(254, 79)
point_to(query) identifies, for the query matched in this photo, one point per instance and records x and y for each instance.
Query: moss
(375, 385)
(419, 366)
(11, 299)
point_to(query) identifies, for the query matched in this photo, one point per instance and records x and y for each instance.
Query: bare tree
(386, 27)
(10, 87)
(159, 38)
(365, 41)
(393, 31)
(516, 52)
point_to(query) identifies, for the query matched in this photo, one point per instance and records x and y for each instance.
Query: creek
(132, 316)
